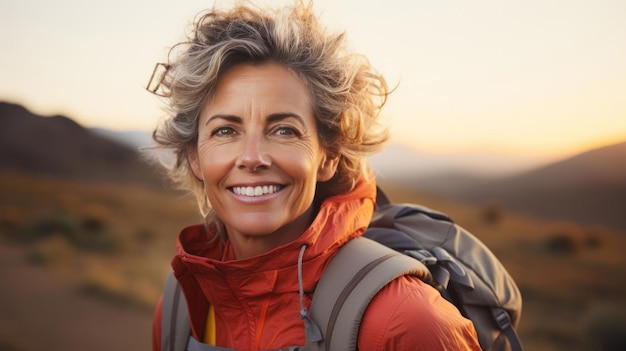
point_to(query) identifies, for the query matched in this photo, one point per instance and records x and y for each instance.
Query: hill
(59, 146)
(589, 188)
(398, 161)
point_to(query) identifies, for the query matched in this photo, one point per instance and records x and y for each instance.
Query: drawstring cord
(311, 329)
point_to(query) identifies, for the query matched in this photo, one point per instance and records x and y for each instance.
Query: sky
(542, 79)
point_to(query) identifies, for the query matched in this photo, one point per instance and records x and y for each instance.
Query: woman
(272, 123)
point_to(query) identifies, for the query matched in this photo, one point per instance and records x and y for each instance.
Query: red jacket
(256, 300)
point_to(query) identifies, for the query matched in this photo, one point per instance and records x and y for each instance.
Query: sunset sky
(537, 78)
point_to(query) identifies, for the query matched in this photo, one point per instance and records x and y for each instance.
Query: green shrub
(116, 298)
(593, 240)
(145, 236)
(45, 227)
(493, 214)
(561, 243)
(88, 233)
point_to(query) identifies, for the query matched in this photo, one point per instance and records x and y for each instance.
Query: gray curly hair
(347, 92)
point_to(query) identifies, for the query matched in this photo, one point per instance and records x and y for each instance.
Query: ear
(327, 168)
(194, 162)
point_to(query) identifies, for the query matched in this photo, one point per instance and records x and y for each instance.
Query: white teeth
(255, 190)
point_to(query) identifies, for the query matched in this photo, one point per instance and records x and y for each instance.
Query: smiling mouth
(258, 190)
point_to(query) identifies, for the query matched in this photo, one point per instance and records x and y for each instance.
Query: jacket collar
(207, 271)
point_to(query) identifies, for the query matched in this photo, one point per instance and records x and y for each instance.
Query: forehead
(257, 91)
(270, 82)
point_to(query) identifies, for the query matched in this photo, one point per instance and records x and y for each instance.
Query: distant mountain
(60, 147)
(138, 140)
(399, 162)
(601, 166)
(133, 138)
(396, 163)
(589, 188)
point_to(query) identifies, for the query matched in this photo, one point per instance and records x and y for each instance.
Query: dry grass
(119, 240)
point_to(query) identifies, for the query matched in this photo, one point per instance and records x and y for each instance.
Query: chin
(255, 226)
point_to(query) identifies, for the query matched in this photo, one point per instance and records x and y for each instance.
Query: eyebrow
(274, 117)
(229, 118)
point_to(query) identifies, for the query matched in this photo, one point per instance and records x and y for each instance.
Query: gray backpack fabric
(463, 269)
(402, 239)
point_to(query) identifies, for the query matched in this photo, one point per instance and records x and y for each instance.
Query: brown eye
(223, 132)
(286, 132)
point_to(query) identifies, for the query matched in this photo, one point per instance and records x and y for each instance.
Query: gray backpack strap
(361, 268)
(175, 326)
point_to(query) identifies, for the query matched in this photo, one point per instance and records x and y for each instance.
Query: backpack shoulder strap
(175, 326)
(361, 268)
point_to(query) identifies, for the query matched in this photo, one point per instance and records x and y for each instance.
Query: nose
(253, 155)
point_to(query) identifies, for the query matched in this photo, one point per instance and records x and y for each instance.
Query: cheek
(214, 162)
(300, 163)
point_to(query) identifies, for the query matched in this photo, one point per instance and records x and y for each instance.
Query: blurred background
(510, 117)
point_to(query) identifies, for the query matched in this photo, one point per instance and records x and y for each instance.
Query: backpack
(401, 239)
(459, 266)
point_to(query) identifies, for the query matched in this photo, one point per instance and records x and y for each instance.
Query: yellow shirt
(209, 328)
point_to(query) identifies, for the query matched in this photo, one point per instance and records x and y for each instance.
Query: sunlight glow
(535, 78)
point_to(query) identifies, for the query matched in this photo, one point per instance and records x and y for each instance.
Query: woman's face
(259, 154)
